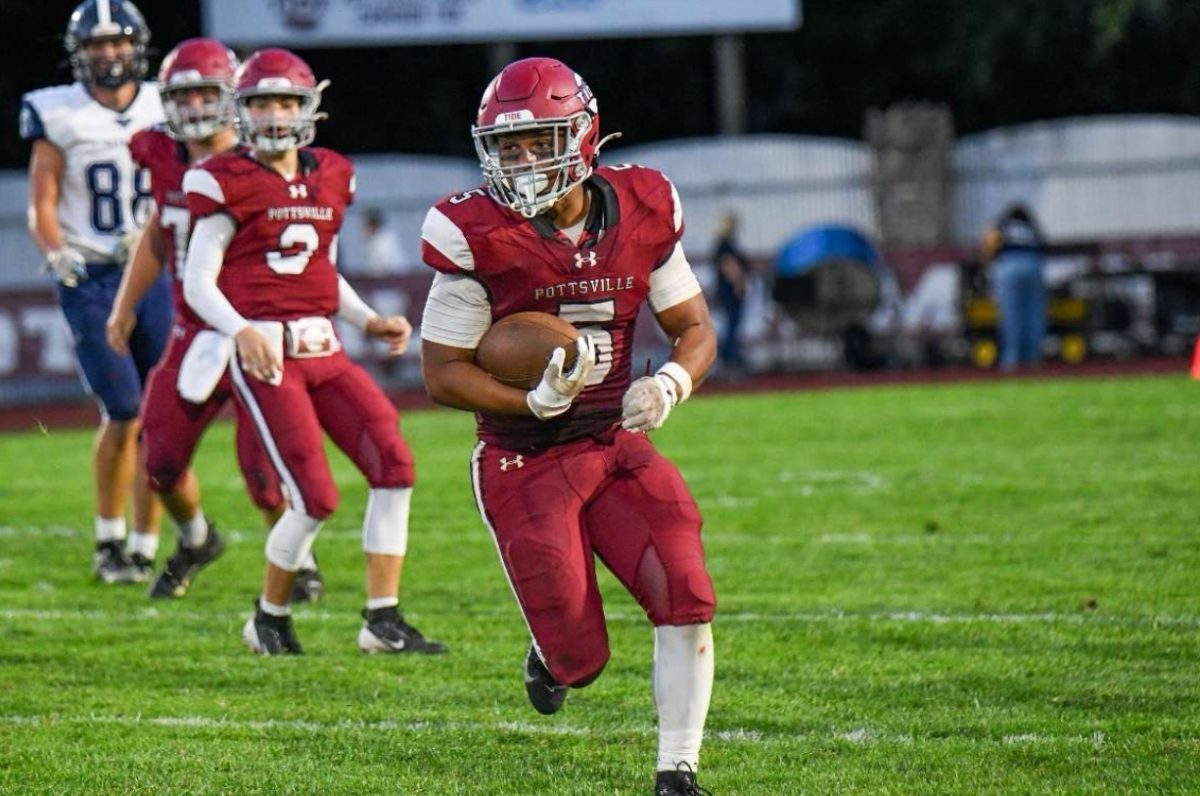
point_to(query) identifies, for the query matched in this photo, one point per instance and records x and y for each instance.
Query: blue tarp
(817, 245)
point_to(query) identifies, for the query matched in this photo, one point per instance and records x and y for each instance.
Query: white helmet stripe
(104, 14)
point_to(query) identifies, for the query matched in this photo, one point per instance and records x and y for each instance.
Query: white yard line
(861, 736)
(913, 617)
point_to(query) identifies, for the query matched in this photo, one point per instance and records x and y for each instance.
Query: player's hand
(256, 355)
(648, 402)
(66, 265)
(125, 246)
(557, 390)
(117, 329)
(395, 330)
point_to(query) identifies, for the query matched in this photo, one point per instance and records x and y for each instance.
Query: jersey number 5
(580, 315)
(297, 243)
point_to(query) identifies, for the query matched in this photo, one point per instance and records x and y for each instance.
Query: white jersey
(103, 195)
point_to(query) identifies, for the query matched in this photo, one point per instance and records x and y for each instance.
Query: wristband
(678, 374)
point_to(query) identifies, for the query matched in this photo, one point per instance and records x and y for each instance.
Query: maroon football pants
(334, 394)
(552, 510)
(172, 427)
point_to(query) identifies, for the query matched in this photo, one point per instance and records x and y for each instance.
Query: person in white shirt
(383, 254)
(86, 204)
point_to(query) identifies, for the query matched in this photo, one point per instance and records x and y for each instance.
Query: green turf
(988, 588)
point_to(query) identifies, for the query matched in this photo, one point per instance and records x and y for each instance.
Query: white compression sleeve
(672, 282)
(351, 307)
(457, 311)
(205, 256)
(291, 539)
(385, 527)
(683, 677)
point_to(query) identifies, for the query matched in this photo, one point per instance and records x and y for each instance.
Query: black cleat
(546, 694)
(386, 631)
(308, 586)
(111, 564)
(271, 635)
(176, 577)
(142, 568)
(680, 782)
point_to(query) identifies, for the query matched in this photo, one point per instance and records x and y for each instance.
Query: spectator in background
(383, 254)
(733, 277)
(1014, 245)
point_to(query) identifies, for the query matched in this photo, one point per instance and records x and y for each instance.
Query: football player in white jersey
(86, 203)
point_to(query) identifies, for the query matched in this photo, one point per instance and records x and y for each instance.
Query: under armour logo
(298, 191)
(582, 259)
(517, 462)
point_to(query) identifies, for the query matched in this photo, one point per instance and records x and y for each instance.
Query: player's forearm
(44, 227)
(695, 351)
(351, 307)
(143, 269)
(462, 385)
(206, 255)
(46, 166)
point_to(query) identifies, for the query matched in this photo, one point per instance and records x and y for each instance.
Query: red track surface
(84, 414)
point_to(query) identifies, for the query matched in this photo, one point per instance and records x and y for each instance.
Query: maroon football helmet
(197, 63)
(528, 97)
(272, 73)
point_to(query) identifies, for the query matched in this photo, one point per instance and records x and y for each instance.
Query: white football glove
(557, 390)
(66, 265)
(648, 402)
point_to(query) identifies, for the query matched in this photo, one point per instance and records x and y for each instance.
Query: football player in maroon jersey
(565, 472)
(196, 85)
(261, 270)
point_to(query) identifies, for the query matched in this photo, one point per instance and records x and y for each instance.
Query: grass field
(987, 588)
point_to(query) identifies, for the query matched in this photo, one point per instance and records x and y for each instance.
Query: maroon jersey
(598, 284)
(279, 265)
(167, 160)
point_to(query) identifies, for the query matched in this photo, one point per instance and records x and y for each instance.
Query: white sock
(144, 544)
(375, 603)
(194, 532)
(109, 529)
(273, 609)
(310, 561)
(683, 677)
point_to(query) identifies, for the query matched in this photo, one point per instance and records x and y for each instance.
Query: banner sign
(323, 23)
(37, 352)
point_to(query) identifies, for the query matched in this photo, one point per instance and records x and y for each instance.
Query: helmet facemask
(531, 188)
(186, 122)
(276, 133)
(106, 71)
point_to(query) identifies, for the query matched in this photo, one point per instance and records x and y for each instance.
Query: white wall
(1100, 177)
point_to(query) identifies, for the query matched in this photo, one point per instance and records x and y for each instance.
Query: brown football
(517, 347)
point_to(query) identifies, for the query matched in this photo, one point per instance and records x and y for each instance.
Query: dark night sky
(994, 63)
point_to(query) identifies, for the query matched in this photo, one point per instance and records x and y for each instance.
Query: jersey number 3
(297, 243)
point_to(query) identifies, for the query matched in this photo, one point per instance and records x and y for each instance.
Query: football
(517, 347)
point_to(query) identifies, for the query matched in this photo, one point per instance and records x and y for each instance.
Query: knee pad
(163, 477)
(385, 526)
(384, 457)
(319, 501)
(264, 488)
(290, 541)
(681, 594)
(163, 470)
